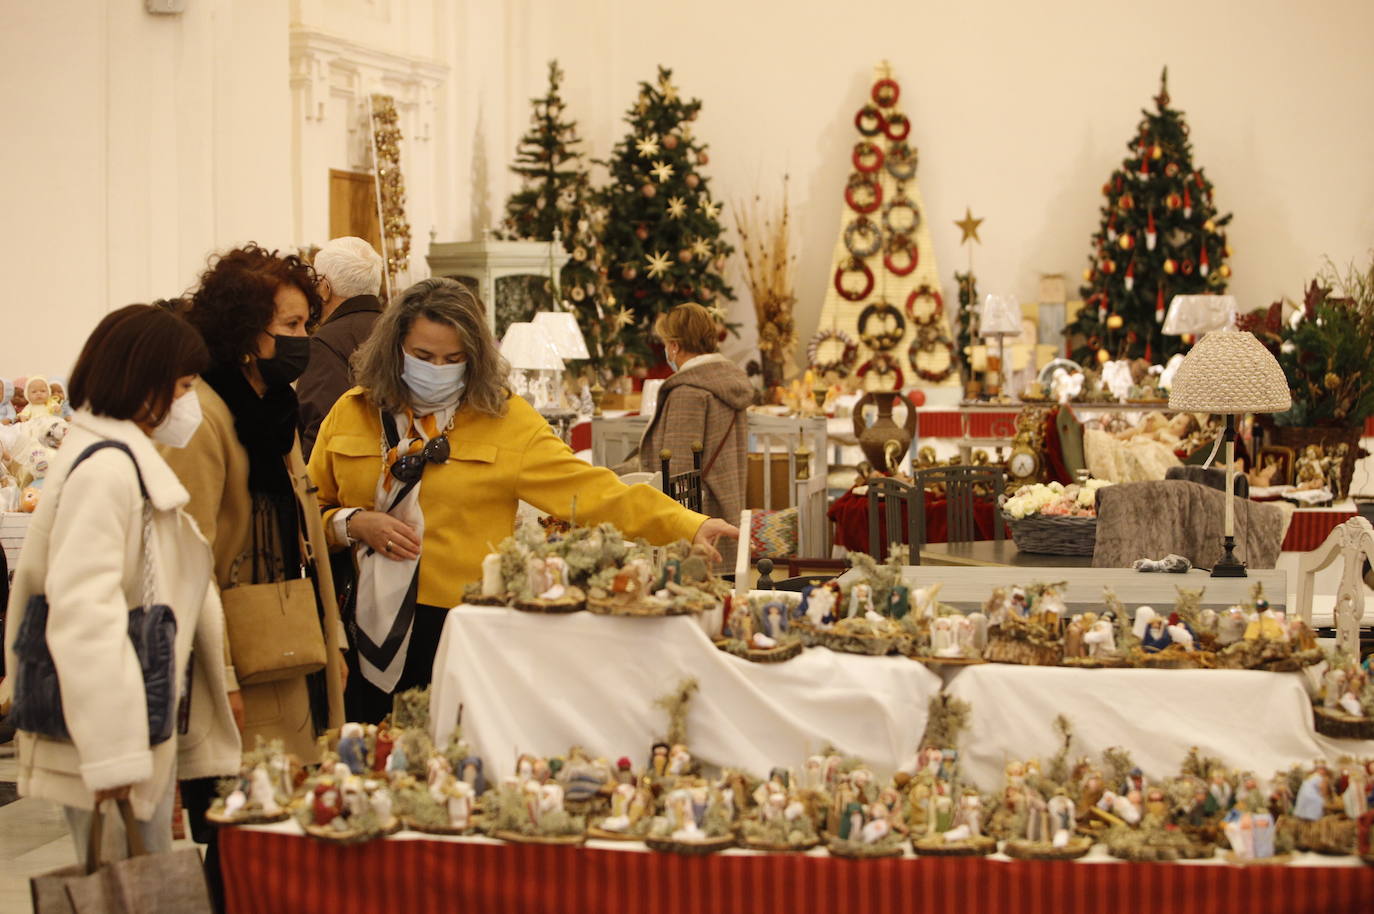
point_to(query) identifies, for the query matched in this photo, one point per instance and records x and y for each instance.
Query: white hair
(351, 266)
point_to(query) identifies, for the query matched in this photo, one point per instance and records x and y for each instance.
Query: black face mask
(293, 354)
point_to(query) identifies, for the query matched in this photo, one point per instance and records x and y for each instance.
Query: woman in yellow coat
(420, 470)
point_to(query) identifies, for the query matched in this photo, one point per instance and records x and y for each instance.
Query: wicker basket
(1054, 534)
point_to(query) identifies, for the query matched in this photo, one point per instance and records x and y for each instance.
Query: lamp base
(1229, 567)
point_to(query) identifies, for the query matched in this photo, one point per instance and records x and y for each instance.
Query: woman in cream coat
(84, 551)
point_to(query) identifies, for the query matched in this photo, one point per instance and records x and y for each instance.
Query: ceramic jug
(874, 439)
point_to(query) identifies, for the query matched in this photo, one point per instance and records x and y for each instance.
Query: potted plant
(1326, 350)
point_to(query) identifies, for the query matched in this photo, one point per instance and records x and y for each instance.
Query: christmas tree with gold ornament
(555, 201)
(1160, 236)
(663, 236)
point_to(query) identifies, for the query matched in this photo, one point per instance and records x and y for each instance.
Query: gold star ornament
(709, 208)
(647, 147)
(677, 207)
(969, 226)
(658, 263)
(662, 170)
(701, 248)
(622, 319)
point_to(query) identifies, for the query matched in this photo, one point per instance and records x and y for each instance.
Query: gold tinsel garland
(386, 149)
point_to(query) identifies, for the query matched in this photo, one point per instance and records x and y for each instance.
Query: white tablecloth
(1254, 721)
(540, 684)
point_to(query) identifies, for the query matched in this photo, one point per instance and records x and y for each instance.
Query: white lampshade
(1229, 371)
(527, 347)
(1199, 314)
(561, 326)
(999, 314)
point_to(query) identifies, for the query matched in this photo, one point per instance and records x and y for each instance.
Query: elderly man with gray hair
(350, 276)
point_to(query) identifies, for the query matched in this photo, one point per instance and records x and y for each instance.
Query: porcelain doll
(556, 576)
(679, 761)
(262, 792)
(352, 750)
(898, 601)
(877, 827)
(38, 395)
(943, 641)
(1141, 623)
(820, 608)
(1230, 626)
(1179, 633)
(1355, 798)
(1220, 794)
(860, 600)
(970, 812)
(1100, 640)
(1311, 798)
(621, 798)
(1062, 813)
(774, 620)
(326, 804)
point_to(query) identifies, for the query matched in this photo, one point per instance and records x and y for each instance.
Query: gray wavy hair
(378, 362)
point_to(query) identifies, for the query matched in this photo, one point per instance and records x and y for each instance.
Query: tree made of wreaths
(663, 237)
(556, 197)
(1160, 236)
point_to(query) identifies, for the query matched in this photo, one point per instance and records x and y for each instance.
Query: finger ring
(388, 545)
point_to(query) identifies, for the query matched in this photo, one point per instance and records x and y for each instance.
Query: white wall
(1020, 110)
(138, 144)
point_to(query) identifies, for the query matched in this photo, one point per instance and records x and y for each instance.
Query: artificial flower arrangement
(1055, 500)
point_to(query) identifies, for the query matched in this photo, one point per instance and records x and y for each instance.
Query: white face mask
(433, 386)
(181, 421)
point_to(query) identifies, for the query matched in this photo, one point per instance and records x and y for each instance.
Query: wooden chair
(805, 485)
(886, 495)
(1352, 542)
(684, 488)
(961, 485)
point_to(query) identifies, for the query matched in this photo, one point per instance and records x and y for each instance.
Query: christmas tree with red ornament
(1160, 236)
(663, 237)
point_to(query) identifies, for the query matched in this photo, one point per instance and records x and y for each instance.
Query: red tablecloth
(850, 514)
(267, 872)
(1310, 528)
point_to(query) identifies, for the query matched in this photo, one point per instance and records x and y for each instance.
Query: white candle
(492, 585)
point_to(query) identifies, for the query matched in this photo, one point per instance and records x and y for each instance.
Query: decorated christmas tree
(555, 200)
(1160, 236)
(884, 318)
(663, 234)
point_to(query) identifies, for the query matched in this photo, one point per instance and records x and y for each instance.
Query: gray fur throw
(1146, 519)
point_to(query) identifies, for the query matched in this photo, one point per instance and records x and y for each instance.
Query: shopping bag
(145, 883)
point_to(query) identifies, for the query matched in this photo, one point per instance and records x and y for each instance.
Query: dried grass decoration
(681, 584)
(770, 269)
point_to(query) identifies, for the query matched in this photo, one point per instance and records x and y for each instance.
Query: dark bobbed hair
(131, 362)
(234, 301)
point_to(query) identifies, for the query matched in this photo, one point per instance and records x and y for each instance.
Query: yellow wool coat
(469, 503)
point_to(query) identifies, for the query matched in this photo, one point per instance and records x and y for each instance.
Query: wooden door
(353, 206)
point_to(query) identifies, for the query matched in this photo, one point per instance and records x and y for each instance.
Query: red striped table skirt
(266, 872)
(1308, 530)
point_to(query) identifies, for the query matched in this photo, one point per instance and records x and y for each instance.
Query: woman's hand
(236, 709)
(388, 536)
(114, 793)
(712, 530)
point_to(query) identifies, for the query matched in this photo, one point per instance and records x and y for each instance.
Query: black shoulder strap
(389, 429)
(117, 445)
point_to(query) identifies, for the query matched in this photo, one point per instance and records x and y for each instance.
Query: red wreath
(886, 92)
(901, 243)
(889, 123)
(925, 291)
(921, 345)
(854, 266)
(863, 149)
(860, 180)
(879, 123)
(883, 363)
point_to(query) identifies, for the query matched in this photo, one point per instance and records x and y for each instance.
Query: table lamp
(531, 353)
(1199, 314)
(1000, 317)
(1231, 373)
(562, 329)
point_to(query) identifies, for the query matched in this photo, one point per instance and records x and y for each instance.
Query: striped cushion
(773, 534)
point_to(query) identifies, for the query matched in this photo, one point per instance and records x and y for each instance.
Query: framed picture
(1281, 458)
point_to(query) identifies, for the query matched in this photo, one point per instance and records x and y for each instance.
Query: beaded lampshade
(1229, 371)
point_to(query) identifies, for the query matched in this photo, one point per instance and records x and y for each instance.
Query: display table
(1310, 527)
(540, 684)
(969, 587)
(997, 552)
(1251, 720)
(270, 870)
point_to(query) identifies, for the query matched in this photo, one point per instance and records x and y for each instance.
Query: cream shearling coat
(84, 550)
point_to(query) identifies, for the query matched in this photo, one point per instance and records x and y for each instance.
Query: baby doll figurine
(38, 394)
(860, 600)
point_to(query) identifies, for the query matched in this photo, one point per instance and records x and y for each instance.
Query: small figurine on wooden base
(760, 627)
(260, 793)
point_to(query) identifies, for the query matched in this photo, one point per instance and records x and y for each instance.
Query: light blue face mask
(433, 386)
